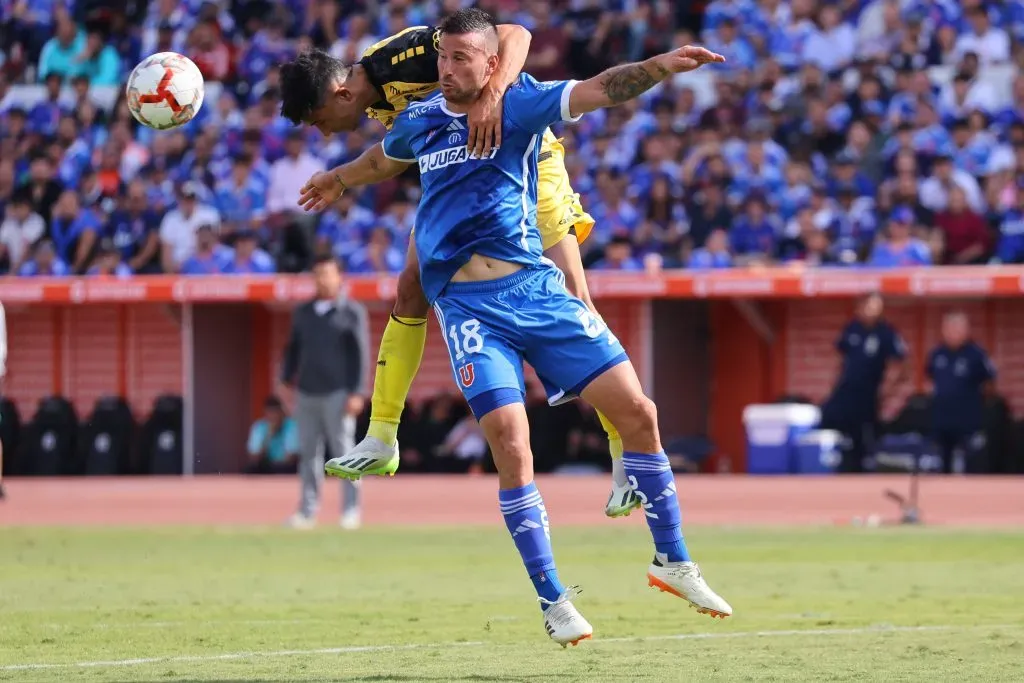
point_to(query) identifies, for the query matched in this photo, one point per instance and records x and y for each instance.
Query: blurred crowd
(877, 132)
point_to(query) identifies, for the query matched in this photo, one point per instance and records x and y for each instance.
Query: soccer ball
(165, 91)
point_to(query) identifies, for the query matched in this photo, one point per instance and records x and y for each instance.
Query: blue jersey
(482, 206)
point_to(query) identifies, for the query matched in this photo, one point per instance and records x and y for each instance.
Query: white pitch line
(353, 649)
(239, 655)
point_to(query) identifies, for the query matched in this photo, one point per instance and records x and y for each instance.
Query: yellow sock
(614, 440)
(398, 361)
(615, 448)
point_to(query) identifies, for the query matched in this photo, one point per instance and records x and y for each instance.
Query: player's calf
(507, 431)
(398, 361)
(618, 394)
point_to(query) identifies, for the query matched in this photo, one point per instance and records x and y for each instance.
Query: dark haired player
(332, 96)
(500, 302)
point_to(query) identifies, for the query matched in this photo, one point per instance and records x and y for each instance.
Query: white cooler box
(774, 432)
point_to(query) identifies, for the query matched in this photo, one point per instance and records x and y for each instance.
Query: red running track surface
(468, 500)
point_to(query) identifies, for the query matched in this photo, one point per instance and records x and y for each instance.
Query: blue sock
(527, 521)
(651, 478)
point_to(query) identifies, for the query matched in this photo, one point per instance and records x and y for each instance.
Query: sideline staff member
(961, 375)
(325, 361)
(868, 344)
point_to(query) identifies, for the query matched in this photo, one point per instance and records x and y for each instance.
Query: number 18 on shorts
(492, 327)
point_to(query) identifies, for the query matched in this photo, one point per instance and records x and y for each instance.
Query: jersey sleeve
(534, 105)
(396, 144)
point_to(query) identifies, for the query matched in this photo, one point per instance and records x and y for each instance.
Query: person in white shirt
(178, 228)
(20, 229)
(289, 173)
(935, 190)
(832, 46)
(992, 45)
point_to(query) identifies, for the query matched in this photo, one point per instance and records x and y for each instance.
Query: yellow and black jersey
(403, 68)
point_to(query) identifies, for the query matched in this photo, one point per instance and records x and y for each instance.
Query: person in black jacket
(325, 361)
(868, 344)
(961, 373)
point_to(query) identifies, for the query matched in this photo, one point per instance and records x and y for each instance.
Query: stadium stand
(834, 157)
(882, 133)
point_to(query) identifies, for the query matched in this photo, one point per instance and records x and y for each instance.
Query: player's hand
(688, 58)
(354, 405)
(320, 191)
(484, 119)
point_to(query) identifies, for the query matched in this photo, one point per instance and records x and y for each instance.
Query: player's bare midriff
(481, 268)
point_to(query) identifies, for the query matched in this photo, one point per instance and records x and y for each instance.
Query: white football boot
(562, 620)
(300, 522)
(623, 499)
(369, 456)
(684, 580)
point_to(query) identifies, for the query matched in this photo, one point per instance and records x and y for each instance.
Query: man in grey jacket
(325, 361)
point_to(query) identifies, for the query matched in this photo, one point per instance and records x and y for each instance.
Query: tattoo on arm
(374, 165)
(625, 82)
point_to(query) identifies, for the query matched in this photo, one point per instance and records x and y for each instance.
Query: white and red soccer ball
(165, 91)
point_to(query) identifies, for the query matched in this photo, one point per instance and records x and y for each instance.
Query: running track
(445, 500)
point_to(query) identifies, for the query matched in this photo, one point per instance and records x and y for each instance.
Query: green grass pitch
(455, 605)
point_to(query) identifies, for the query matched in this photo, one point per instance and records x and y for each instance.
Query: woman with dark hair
(665, 221)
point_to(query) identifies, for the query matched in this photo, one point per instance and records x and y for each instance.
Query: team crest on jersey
(467, 375)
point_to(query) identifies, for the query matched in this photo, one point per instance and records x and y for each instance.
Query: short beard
(467, 96)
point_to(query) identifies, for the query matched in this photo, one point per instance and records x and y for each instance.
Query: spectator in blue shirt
(1011, 232)
(618, 255)
(60, 53)
(846, 174)
(134, 231)
(379, 256)
(210, 258)
(44, 118)
(344, 227)
(108, 262)
(754, 234)
(44, 262)
(74, 231)
(99, 61)
(727, 41)
(900, 248)
(248, 258)
(714, 254)
(273, 445)
(240, 198)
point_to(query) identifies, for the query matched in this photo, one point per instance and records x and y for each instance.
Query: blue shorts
(491, 327)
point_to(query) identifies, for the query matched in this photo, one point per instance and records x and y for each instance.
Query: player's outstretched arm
(620, 83)
(370, 167)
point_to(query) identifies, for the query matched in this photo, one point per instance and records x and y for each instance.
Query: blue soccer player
(499, 301)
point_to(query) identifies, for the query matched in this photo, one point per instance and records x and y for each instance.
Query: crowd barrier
(706, 344)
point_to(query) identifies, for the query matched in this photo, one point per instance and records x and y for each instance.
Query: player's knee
(638, 424)
(510, 448)
(409, 299)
